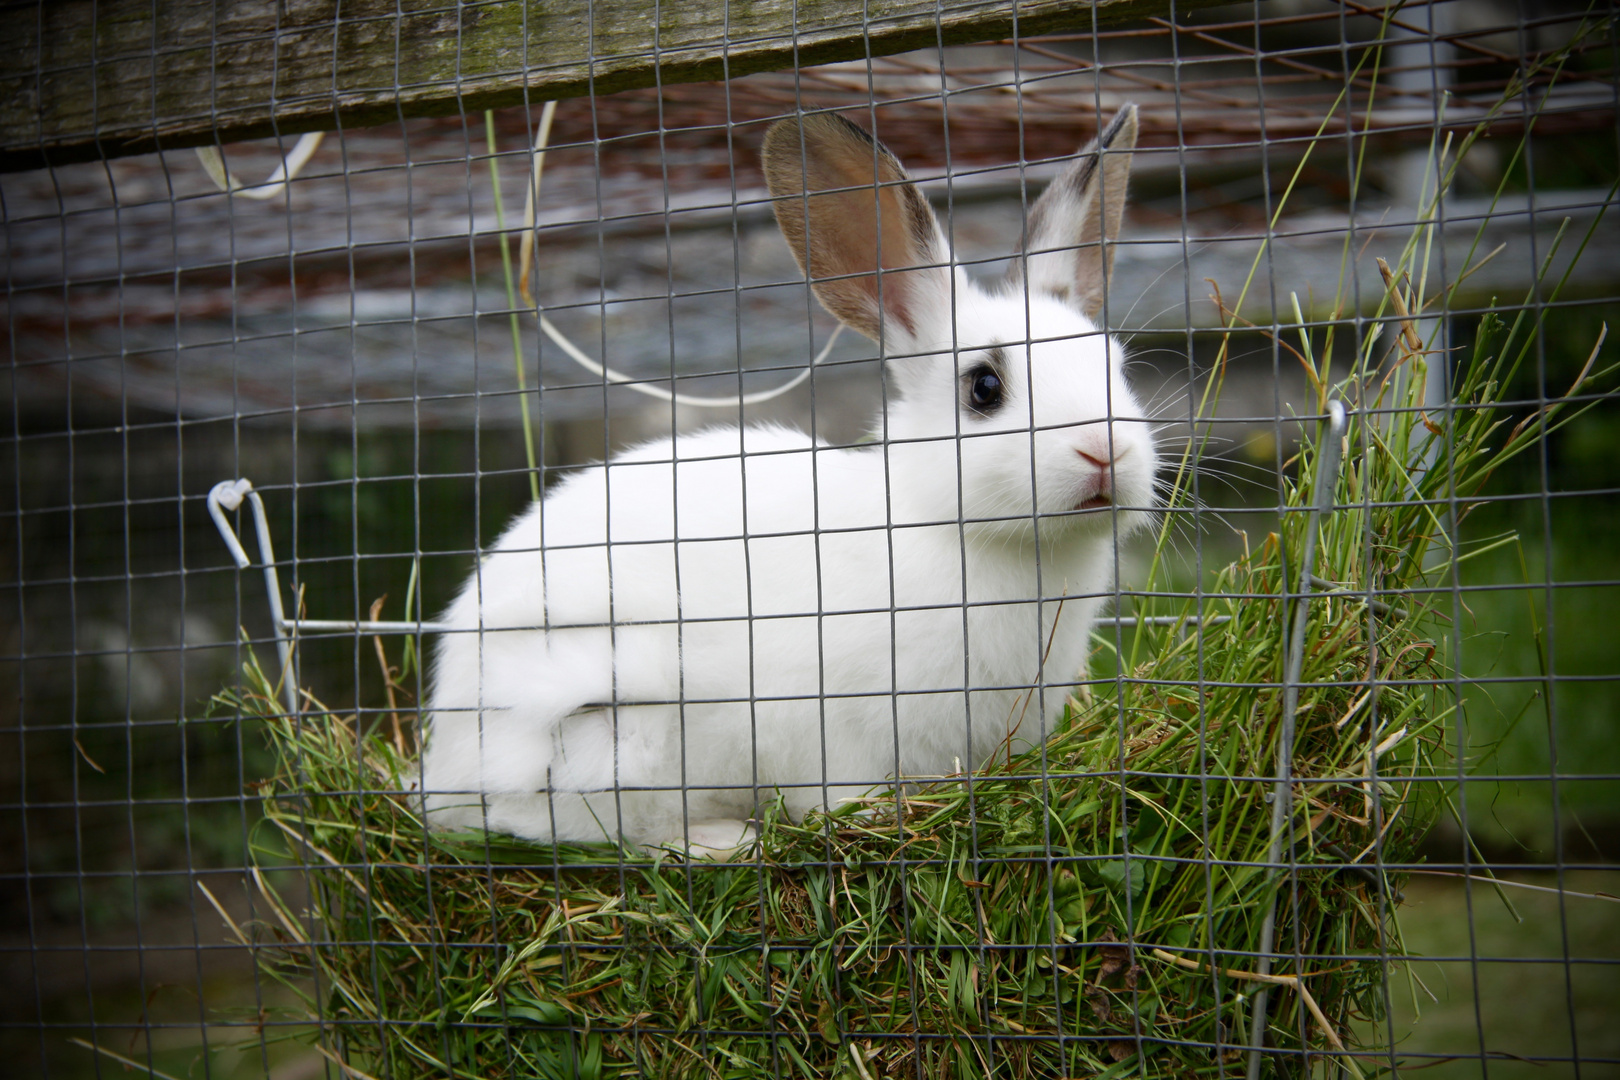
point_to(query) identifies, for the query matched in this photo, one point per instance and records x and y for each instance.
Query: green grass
(1531, 632)
(1515, 989)
(1524, 1008)
(1509, 724)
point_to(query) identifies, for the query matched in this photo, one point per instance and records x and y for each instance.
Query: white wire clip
(227, 495)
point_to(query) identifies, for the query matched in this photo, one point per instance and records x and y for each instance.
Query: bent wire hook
(227, 495)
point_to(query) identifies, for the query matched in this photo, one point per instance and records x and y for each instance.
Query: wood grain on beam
(81, 80)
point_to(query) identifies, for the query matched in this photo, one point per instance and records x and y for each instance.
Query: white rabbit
(828, 618)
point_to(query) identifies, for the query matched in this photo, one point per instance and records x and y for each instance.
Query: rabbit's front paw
(719, 840)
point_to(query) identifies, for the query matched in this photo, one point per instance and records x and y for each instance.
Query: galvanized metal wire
(332, 351)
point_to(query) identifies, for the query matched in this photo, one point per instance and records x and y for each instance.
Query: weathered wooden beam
(80, 81)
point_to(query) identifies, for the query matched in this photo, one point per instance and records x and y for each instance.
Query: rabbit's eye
(985, 389)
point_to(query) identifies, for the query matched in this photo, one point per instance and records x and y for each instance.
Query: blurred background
(350, 345)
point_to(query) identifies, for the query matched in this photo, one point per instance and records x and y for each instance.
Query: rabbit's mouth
(1100, 501)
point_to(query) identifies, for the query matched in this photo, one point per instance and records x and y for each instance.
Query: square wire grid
(349, 345)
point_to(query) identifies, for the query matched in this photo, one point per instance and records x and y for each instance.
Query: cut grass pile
(1093, 905)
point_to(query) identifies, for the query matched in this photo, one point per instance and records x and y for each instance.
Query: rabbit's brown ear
(859, 228)
(1069, 243)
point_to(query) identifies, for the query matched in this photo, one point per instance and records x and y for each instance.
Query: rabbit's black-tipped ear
(849, 211)
(1069, 244)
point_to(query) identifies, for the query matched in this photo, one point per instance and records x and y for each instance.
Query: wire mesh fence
(1100, 570)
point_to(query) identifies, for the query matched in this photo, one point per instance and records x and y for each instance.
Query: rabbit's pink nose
(1099, 456)
(1102, 483)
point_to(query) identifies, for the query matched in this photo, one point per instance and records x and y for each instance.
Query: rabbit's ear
(1069, 245)
(859, 228)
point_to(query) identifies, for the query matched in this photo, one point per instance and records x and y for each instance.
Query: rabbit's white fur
(828, 617)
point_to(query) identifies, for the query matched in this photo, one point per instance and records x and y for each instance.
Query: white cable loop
(537, 162)
(660, 393)
(213, 163)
